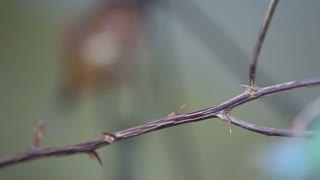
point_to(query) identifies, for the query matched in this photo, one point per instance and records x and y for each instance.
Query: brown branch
(212, 112)
(270, 131)
(259, 43)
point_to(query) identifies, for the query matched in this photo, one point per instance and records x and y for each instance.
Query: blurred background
(85, 67)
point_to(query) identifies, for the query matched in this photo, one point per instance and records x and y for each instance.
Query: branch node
(109, 137)
(251, 90)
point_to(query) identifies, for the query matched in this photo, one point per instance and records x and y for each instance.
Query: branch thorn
(38, 134)
(94, 155)
(179, 112)
(225, 115)
(229, 121)
(262, 34)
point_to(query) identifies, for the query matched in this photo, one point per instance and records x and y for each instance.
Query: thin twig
(212, 112)
(259, 43)
(271, 131)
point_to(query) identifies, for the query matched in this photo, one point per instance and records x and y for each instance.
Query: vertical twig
(262, 35)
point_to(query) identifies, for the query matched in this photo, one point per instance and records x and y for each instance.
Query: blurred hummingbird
(98, 51)
(99, 55)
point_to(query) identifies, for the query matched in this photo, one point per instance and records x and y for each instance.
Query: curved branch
(270, 131)
(212, 112)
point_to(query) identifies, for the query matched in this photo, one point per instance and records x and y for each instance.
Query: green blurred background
(210, 43)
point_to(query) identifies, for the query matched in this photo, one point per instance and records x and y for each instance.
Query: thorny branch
(258, 46)
(221, 111)
(211, 112)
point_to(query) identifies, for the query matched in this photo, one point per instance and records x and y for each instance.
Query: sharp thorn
(95, 155)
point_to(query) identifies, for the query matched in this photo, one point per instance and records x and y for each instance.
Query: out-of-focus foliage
(296, 159)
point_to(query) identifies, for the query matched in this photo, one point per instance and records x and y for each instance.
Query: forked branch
(212, 112)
